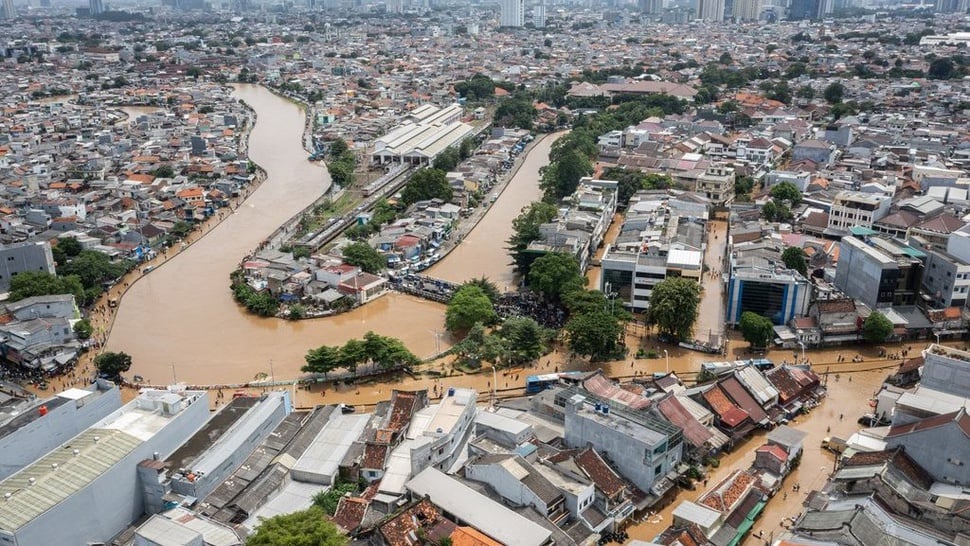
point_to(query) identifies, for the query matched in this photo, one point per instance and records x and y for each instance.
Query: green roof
(42, 485)
(862, 231)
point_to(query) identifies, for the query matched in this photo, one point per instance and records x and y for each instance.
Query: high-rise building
(651, 7)
(952, 6)
(7, 11)
(539, 14)
(747, 10)
(96, 7)
(513, 13)
(710, 10)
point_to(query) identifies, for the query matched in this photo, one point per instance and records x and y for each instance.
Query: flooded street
(183, 315)
(483, 252)
(710, 319)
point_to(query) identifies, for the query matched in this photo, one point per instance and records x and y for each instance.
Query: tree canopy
(365, 257)
(478, 87)
(596, 334)
(386, 352)
(427, 183)
(834, 93)
(756, 329)
(469, 305)
(308, 527)
(794, 258)
(525, 338)
(554, 274)
(525, 229)
(876, 328)
(786, 191)
(38, 283)
(674, 304)
(112, 364)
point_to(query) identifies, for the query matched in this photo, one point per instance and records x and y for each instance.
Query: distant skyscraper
(804, 9)
(951, 6)
(8, 11)
(513, 13)
(539, 14)
(747, 10)
(651, 7)
(96, 7)
(710, 10)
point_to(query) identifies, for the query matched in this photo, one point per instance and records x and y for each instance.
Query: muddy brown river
(183, 315)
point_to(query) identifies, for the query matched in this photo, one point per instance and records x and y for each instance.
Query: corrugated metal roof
(51, 485)
(759, 387)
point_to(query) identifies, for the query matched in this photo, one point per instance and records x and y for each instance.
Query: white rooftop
(75, 394)
(696, 513)
(321, 460)
(479, 511)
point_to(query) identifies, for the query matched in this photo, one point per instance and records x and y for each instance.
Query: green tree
(756, 329)
(427, 184)
(478, 87)
(525, 229)
(805, 92)
(786, 191)
(876, 328)
(83, 329)
(338, 148)
(365, 257)
(596, 334)
(942, 69)
(93, 268)
(487, 286)
(674, 304)
(308, 527)
(794, 258)
(554, 274)
(323, 359)
(388, 352)
(329, 500)
(834, 93)
(447, 160)
(561, 178)
(112, 365)
(469, 305)
(39, 283)
(526, 338)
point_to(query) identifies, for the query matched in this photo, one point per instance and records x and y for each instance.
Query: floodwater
(846, 398)
(710, 317)
(182, 314)
(135, 111)
(483, 252)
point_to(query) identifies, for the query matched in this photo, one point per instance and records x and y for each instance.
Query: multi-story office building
(539, 14)
(513, 13)
(879, 272)
(710, 10)
(856, 209)
(7, 10)
(768, 289)
(655, 241)
(91, 480)
(717, 184)
(20, 257)
(643, 449)
(96, 7)
(31, 429)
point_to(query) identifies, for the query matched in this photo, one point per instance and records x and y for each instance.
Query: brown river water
(182, 315)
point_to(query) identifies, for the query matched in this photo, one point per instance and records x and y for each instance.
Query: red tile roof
(727, 493)
(730, 414)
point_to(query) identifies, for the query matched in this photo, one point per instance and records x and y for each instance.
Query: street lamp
(667, 356)
(802, 345)
(491, 399)
(937, 334)
(437, 342)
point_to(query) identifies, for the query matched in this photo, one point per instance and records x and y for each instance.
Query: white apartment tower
(710, 10)
(539, 14)
(513, 13)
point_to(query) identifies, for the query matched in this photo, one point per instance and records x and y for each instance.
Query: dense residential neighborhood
(801, 170)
